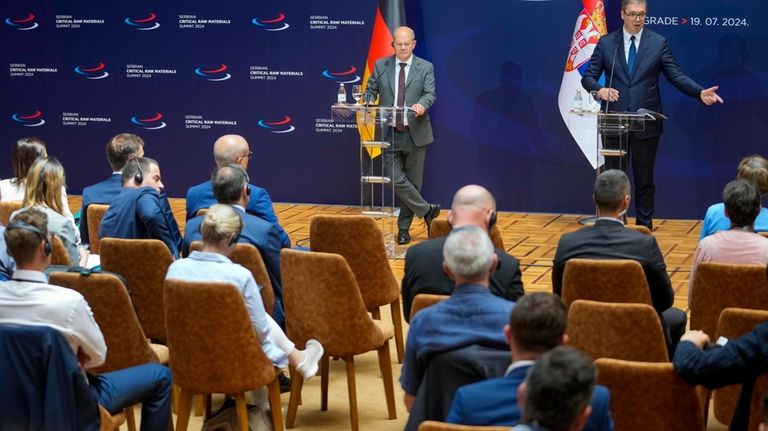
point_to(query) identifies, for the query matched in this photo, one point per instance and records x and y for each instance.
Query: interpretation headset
(138, 177)
(492, 220)
(47, 248)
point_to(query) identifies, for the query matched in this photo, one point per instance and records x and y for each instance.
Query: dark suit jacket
(424, 274)
(100, 193)
(641, 89)
(611, 240)
(419, 88)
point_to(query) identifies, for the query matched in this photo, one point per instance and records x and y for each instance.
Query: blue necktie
(632, 55)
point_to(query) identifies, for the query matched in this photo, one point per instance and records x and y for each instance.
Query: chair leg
(207, 400)
(350, 360)
(297, 381)
(397, 321)
(376, 313)
(130, 418)
(185, 408)
(324, 363)
(175, 394)
(242, 411)
(385, 364)
(199, 405)
(275, 405)
(291, 372)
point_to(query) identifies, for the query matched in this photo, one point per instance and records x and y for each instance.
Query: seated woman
(220, 229)
(43, 186)
(755, 170)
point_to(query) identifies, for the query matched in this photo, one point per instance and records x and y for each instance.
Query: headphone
(138, 177)
(47, 248)
(492, 220)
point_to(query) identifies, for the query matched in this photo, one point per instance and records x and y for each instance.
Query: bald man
(234, 149)
(472, 205)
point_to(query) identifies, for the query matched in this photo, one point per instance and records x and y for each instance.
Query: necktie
(399, 124)
(632, 55)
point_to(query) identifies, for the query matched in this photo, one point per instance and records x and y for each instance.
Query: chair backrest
(59, 255)
(95, 212)
(424, 300)
(649, 396)
(605, 280)
(143, 263)
(640, 228)
(201, 211)
(359, 240)
(441, 227)
(631, 332)
(322, 301)
(717, 286)
(442, 426)
(114, 313)
(733, 323)
(6, 209)
(213, 347)
(765, 234)
(249, 257)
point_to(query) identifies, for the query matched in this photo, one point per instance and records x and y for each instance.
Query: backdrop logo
(271, 24)
(32, 120)
(281, 126)
(96, 72)
(346, 77)
(26, 23)
(148, 23)
(218, 74)
(151, 123)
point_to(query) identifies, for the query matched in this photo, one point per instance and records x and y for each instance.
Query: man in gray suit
(409, 81)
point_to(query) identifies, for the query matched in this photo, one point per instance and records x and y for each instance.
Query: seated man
(227, 150)
(472, 315)
(120, 149)
(555, 395)
(536, 325)
(141, 210)
(609, 239)
(739, 243)
(230, 186)
(741, 361)
(28, 299)
(472, 206)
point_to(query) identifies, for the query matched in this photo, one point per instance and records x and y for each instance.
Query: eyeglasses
(247, 156)
(635, 16)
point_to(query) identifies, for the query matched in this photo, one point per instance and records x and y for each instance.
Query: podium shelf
(370, 213)
(612, 153)
(374, 144)
(373, 179)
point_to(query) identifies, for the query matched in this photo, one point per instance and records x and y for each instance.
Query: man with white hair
(472, 315)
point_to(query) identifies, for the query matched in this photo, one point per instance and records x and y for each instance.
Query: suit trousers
(406, 161)
(642, 156)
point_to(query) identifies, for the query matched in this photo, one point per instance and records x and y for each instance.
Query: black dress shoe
(285, 383)
(432, 213)
(403, 237)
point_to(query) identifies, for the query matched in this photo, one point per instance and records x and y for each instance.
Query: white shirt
(627, 41)
(518, 364)
(397, 81)
(28, 299)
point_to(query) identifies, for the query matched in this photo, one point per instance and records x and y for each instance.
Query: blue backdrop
(181, 74)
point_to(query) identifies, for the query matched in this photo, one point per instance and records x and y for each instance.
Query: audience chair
(717, 286)
(424, 300)
(143, 263)
(765, 234)
(214, 349)
(322, 301)
(201, 211)
(442, 426)
(95, 212)
(605, 280)
(6, 209)
(639, 228)
(59, 255)
(649, 396)
(441, 227)
(359, 240)
(248, 256)
(631, 332)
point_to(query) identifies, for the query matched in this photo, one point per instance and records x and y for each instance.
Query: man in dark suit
(120, 149)
(230, 186)
(635, 57)
(409, 81)
(609, 239)
(536, 325)
(472, 205)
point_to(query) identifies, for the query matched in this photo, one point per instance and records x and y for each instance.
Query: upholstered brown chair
(359, 240)
(322, 301)
(248, 256)
(424, 300)
(640, 228)
(59, 255)
(765, 234)
(112, 423)
(201, 211)
(717, 286)
(95, 212)
(441, 227)
(649, 396)
(214, 348)
(442, 426)
(6, 209)
(630, 332)
(605, 280)
(143, 263)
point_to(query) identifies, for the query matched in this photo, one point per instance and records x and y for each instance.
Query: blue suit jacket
(259, 204)
(100, 193)
(641, 88)
(142, 213)
(494, 402)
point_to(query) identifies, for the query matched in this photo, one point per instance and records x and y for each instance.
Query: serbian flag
(389, 15)
(590, 25)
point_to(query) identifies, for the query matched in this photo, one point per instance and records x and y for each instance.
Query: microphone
(375, 78)
(610, 81)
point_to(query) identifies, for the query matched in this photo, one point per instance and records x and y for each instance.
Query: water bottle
(342, 99)
(578, 101)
